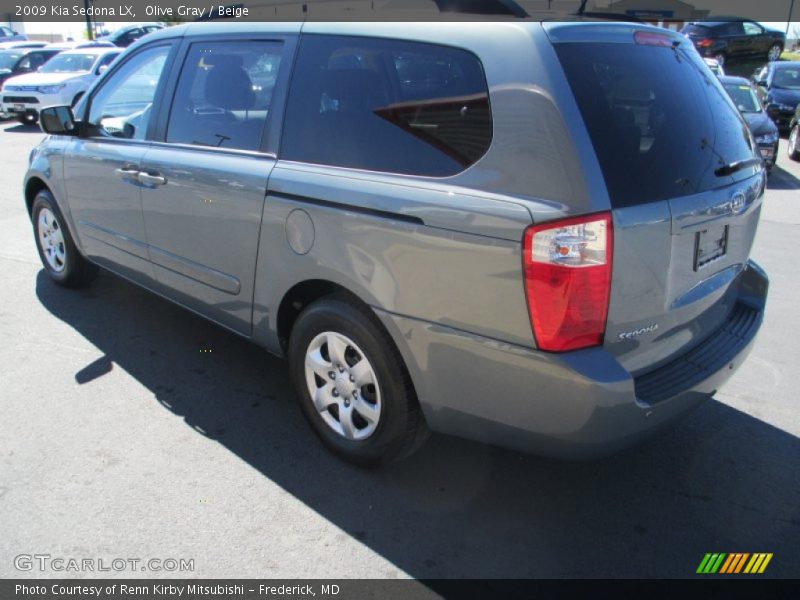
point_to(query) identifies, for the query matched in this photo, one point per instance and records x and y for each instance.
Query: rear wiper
(733, 167)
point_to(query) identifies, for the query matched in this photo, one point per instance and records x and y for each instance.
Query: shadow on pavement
(781, 179)
(20, 128)
(722, 481)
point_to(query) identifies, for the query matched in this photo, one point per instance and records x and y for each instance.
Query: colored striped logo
(736, 562)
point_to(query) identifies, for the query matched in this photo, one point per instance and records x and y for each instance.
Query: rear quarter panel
(462, 268)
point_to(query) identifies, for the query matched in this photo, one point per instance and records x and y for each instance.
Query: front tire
(794, 143)
(57, 250)
(352, 384)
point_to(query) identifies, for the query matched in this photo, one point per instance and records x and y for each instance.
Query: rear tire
(57, 250)
(794, 143)
(368, 424)
(28, 119)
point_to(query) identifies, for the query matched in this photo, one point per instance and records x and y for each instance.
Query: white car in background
(61, 81)
(716, 68)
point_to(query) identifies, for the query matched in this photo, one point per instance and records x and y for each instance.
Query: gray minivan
(533, 234)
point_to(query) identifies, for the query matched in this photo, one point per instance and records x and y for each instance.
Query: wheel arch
(303, 293)
(33, 186)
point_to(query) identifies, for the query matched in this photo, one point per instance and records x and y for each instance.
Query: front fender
(47, 166)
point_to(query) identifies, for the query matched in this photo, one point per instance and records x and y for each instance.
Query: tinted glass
(787, 78)
(107, 60)
(70, 63)
(730, 29)
(224, 94)
(386, 105)
(31, 62)
(743, 97)
(123, 106)
(660, 122)
(752, 29)
(696, 30)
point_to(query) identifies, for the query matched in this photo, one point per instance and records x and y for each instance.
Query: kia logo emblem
(738, 202)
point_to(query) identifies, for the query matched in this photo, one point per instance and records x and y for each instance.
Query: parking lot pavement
(132, 428)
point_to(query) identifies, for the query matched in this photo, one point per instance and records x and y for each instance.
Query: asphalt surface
(130, 428)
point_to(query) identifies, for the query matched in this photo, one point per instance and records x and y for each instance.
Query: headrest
(228, 85)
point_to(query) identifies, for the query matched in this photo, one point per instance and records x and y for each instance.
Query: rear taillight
(654, 38)
(568, 280)
(706, 43)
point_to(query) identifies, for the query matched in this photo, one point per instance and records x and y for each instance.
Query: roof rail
(502, 8)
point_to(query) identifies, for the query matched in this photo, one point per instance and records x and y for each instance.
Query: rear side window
(387, 105)
(660, 124)
(224, 94)
(730, 29)
(107, 59)
(696, 30)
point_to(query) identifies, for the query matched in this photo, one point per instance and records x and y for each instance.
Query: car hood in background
(43, 78)
(783, 96)
(759, 123)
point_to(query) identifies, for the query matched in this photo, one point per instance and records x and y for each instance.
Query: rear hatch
(684, 182)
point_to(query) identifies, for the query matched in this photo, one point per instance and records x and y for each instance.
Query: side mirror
(58, 120)
(102, 69)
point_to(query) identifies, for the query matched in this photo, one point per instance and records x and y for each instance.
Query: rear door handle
(152, 179)
(127, 172)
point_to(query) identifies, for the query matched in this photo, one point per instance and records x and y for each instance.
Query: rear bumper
(577, 405)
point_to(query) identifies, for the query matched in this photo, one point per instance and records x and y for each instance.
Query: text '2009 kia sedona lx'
(531, 234)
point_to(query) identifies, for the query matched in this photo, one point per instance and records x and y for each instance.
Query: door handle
(126, 172)
(152, 179)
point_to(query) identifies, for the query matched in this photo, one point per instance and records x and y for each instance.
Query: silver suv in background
(530, 234)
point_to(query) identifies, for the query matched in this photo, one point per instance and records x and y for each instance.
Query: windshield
(9, 59)
(69, 63)
(787, 78)
(660, 122)
(743, 97)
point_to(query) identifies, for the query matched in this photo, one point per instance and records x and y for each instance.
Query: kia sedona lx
(535, 235)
